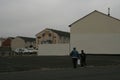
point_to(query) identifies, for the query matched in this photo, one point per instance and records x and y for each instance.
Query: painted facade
(51, 36)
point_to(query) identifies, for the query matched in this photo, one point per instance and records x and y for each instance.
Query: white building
(22, 42)
(96, 33)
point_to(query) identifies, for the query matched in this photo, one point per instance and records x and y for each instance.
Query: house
(52, 36)
(7, 42)
(5, 48)
(96, 33)
(1, 40)
(23, 42)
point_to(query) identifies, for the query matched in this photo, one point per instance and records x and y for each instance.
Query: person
(83, 58)
(75, 55)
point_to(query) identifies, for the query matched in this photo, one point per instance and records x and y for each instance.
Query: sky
(29, 17)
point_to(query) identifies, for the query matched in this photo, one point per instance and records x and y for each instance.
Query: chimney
(108, 11)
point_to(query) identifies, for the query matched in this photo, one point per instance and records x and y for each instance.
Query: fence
(53, 50)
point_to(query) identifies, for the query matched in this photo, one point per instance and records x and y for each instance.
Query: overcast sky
(28, 17)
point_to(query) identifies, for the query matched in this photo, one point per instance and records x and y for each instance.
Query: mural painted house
(96, 33)
(52, 42)
(52, 36)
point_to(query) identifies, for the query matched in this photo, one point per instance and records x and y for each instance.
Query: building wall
(45, 35)
(6, 43)
(96, 23)
(42, 37)
(96, 34)
(17, 43)
(21, 43)
(0, 43)
(53, 50)
(1, 40)
(29, 44)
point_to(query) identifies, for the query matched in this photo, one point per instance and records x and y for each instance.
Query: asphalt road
(87, 73)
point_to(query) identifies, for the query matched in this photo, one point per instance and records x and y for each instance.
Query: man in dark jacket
(75, 55)
(82, 58)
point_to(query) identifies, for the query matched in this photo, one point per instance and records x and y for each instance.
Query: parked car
(25, 50)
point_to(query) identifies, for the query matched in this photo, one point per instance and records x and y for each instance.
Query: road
(87, 73)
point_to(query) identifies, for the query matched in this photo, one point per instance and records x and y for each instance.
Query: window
(49, 41)
(43, 34)
(49, 34)
(39, 37)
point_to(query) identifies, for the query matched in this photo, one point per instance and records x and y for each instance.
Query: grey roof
(61, 33)
(90, 14)
(27, 39)
(10, 37)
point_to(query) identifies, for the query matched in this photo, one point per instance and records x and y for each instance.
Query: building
(1, 41)
(7, 42)
(51, 36)
(5, 46)
(96, 33)
(23, 42)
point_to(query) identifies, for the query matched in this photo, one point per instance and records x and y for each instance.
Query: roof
(61, 33)
(10, 37)
(92, 13)
(29, 39)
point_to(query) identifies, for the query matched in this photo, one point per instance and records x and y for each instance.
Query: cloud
(28, 17)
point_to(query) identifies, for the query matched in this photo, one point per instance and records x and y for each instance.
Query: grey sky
(28, 17)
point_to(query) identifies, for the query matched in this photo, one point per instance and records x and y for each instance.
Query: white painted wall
(96, 33)
(53, 50)
(97, 43)
(17, 43)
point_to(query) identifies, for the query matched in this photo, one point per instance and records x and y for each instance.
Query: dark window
(31, 46)
(49, 35)
(49, 41)
(39, 37)
(43, 34)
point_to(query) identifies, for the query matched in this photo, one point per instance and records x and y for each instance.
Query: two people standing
(75, 56)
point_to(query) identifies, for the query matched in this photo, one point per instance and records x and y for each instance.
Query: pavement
(81, 73)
